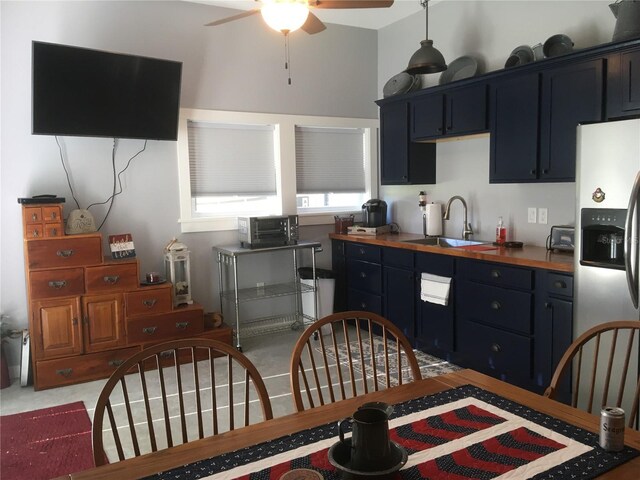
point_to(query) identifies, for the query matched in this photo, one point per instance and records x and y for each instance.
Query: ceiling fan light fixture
(427, 59)
(285, 16)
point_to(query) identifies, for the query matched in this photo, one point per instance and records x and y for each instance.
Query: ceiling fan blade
(350, 3)
(233, 17)
(313, 25)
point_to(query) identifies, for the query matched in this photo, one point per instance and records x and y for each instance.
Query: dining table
(548, 423)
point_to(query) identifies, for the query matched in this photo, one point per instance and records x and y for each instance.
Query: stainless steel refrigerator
(606, 255)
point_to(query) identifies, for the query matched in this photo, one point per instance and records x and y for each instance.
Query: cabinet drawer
(558, 284)
(112, 278)
(63, 282)
(32, 215)
(365, 276)
(368, 302)
(497, 306)
(52, 214)
(398, 257)
(180, 323)
(369, 253)
(65, 252)
(83, 368)
(496, 274)
(499, 353)
(435, 264)
(147, 301)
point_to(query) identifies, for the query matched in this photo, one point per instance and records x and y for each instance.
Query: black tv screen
(83, 92)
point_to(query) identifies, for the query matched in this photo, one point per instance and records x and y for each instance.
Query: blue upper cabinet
(460, 111)
(403, 162)
(571, 95)
(623, 84)
(515, 114)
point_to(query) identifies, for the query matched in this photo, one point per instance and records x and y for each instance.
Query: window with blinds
(232, 168)
(330, 167)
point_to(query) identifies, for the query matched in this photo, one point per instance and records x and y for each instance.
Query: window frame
(285, 158)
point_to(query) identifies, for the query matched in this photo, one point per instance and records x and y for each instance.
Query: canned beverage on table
(612, 429)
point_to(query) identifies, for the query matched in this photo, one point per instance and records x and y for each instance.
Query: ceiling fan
(286, 16)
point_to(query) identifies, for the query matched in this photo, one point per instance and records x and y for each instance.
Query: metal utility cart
(227, 256)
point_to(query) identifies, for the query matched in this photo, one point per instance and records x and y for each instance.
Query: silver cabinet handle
(363, 275)
(64, 253)
(631, 240)
(149, 303)
(495, 273)
(111, 279)
(65, 372)
(496, 305)
(115, 363)
(57, 284)
(182, 325)
(149, 330)
(559, 284)
(496, 348)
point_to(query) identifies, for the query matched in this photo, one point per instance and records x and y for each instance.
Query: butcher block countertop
(528, 256)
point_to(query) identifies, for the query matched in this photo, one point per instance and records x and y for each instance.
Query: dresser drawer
(496, 274)
(112, 278)
(69, 370)
(61, 282)
(65, 251)
(368, 302)
(558, 284)
(364, 276)
(360, 251)
(149, 301)
(496, 306)
(496, 352)
(32, 215)
(180, 323)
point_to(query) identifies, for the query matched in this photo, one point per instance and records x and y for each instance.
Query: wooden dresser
(87, 312)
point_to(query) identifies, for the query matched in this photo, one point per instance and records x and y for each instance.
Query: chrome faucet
(467, 231)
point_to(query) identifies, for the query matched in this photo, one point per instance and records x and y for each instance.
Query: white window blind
(230, 159)
(330, 160)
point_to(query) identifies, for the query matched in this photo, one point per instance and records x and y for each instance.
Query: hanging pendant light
(426, 59)
(285, 16)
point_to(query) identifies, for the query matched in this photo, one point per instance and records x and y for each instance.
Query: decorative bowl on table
(340, 457)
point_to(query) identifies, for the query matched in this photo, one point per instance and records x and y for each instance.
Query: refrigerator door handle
(631, 240)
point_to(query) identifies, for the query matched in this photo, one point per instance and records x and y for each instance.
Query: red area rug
(46, 443)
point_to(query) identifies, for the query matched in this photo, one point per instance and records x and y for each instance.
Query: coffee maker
(374, 213)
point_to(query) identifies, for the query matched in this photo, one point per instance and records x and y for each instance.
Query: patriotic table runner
(465, 432)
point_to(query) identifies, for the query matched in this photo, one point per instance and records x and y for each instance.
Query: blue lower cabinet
(399, 294)
(498, 353)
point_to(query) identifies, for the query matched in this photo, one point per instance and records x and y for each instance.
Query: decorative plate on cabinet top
(401, 83)
(461, 67)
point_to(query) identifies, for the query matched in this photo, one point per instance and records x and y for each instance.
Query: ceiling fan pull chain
(287, 57)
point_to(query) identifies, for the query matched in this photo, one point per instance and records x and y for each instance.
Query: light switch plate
(542, 216)
(531, 215)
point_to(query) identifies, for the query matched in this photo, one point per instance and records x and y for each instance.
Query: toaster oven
(562, 237)
(271, 231)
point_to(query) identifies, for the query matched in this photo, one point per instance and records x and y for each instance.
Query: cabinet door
(394, 140)
(55, 327)
(399, 297)
(427, 117)
(514, 129)
(623, 84)
(103, 322)
(466, 110)
(570, 95)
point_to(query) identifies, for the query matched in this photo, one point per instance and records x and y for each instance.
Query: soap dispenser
(501, 232)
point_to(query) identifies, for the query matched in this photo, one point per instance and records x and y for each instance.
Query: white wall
(489, 31)
(238, 66)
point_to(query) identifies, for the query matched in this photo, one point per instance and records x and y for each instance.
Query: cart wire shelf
(266, 325)
(269, 291)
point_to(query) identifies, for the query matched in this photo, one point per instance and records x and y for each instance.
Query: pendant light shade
(427, 59)
(285, 16)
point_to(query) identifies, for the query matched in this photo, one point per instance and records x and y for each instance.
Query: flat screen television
(83, 92)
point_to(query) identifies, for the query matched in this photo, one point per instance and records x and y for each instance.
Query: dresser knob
(57, 284)
(149, 330)
(150, 302)
(496, 347)
(111, 279)
(115, 363)
(65, 372)
(495, 305)
(64, 253)
(182, 325)
(495, 273)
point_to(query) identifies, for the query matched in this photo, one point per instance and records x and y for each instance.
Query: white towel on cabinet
(435, 289)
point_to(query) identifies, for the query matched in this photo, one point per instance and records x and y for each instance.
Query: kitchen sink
(446, 242)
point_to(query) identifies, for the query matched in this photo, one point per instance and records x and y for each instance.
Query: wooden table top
(528, 256)
(230, 441)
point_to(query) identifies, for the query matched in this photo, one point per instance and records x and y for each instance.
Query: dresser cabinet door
(103, 322)
(56, 327)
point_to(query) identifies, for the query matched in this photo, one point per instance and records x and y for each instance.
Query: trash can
(326, 287)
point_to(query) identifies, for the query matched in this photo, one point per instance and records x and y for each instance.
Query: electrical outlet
(542, 215)
(531, 215)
